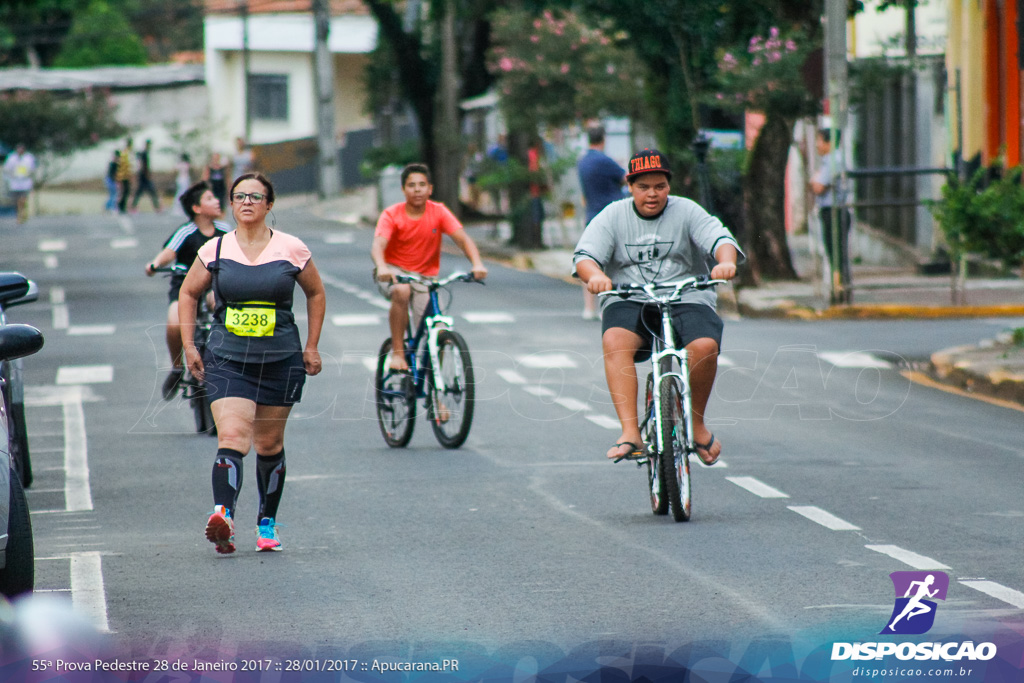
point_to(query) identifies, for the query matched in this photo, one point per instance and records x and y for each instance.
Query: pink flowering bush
(766, 75)
(556, 69)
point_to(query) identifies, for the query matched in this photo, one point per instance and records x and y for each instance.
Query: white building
(281, 84)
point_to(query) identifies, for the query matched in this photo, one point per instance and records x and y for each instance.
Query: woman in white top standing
(182, 181)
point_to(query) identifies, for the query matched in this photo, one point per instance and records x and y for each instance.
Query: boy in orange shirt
(408, 241)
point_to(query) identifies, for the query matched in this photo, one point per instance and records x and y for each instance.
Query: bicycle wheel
(675, 465)
(655, 482)
(451, 411)
(396, 401)
(201, 410)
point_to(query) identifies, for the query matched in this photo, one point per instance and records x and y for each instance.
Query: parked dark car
(17, 552)
(16, 289)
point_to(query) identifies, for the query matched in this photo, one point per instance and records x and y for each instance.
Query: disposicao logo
(916, 592)
(914, 614)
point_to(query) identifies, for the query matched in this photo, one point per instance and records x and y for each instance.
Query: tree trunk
(447, 155)
(764, 203)
(525, 233)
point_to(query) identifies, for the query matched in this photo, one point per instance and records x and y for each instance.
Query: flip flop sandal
(707, 447)
(634, 452)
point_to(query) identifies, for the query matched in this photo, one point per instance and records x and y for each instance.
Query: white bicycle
(667, 424)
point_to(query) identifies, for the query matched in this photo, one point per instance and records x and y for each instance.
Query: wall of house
(148, 113)
(965, 64)
(350, 93)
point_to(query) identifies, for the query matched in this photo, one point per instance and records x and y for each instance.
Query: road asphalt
(991, 368)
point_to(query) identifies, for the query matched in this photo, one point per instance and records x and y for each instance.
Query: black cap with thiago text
(648, 161)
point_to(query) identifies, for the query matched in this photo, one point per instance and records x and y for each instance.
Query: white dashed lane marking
(511, 376)
(997, 591)
(826, 519)
(53, 245)
(604, 421)
(484, 317)
(907, 557)
(545, 361)
(853, 359)
(85, 374)
(758, 488)
(355, 320)
(91, 330)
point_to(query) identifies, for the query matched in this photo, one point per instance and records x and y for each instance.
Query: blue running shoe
(266, 535)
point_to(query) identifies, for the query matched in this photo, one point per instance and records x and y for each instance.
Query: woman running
(256, 371)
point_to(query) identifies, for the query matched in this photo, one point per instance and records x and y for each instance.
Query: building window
(268, 96)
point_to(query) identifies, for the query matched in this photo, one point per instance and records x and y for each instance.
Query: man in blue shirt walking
(602, 180)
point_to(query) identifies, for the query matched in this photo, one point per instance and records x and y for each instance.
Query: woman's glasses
(254, 197)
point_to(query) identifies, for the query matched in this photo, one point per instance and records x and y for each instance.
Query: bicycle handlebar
(176, 268)
(630, 289)
(435, 283)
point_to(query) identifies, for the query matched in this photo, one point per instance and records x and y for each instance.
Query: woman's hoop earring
(273, 219)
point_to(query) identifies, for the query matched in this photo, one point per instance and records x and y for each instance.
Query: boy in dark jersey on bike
(202, 208)
(654, 237)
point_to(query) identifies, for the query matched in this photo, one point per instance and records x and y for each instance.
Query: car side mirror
(13, 286)
(17, 341)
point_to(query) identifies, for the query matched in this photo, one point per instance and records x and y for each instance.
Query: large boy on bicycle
(408, 240)
(655, 237)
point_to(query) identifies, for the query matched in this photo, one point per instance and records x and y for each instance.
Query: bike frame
(664, 348)
(430, 326)
(669, 351)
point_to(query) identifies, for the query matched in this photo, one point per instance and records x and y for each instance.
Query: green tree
(766, 75)
(53, 126)
(31, 31)
(414, 45)
(100, 36)
(679, 41)
(554, 69)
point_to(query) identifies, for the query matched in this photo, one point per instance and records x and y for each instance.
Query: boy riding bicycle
(408, 241)
(656, 237)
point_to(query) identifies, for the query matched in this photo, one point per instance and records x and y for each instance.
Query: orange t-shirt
(414, 244)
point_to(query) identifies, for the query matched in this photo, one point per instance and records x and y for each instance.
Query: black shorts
(278, 383)
(172, 294)
(689, 321)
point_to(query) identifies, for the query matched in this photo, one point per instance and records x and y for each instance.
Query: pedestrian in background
(538, 185)
(601, 180)
(110, 180)
(254, 375)
(19, 169)
(827, 188)
(182, 181)
(144, 182)
(216, 173)
(243, 160)
(497, 160)
(124, 175)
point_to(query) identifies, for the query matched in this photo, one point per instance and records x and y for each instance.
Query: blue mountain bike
(440, 373)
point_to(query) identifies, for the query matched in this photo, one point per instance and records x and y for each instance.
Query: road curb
(882, 312)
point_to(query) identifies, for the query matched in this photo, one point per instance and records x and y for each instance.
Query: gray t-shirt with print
(678, 243)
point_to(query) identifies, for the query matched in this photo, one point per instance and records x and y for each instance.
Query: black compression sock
(270, 471)
(227, 478)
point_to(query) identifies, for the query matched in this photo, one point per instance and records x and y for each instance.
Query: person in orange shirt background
(407, 240)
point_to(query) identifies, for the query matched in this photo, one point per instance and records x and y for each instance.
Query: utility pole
(330, 178)
(837, 89)
(243, 11)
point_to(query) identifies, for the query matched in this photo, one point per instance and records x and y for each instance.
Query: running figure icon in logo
(915, 587)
